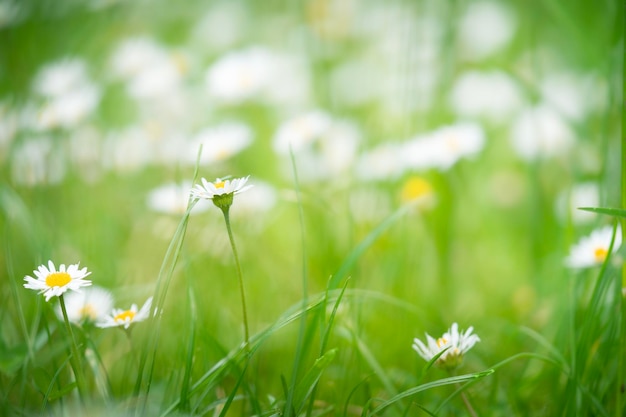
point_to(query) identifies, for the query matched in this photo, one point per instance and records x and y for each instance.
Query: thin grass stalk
(193, 316)
(303, 319)
(160, 291)
(75, 355)
(621, 365)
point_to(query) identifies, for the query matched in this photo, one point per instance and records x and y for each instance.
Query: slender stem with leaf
(75, 357)
(225, 210)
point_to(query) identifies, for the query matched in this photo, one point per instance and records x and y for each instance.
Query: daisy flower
(593, 249)
(120, 317)
(220, 191)
(90, 305)
(51, 282)
(454, 343)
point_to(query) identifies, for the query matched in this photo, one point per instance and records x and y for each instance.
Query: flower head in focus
(120, 317)
(53, 283)
(593, 249)
(220, 191)
(453, 344)
(90, 305)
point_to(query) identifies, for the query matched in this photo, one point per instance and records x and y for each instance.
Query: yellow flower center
(600, 254)
(441, 342)
(414, 188)
(124, 316)
(219, 184)
(88, 312)
(58, 279)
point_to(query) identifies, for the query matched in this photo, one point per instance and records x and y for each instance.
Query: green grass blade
(605, 210)
(429, 385)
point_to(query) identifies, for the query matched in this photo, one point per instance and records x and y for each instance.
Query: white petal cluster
(453, 343)
(592, 250)
(208, 190)
(120, 317)
(91, 305)
(53, 283)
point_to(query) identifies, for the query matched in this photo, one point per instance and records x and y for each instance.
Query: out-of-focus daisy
(90, 305)
(444, 147)
(485, 28)
(299, 132)
(240, 75)
(220, 142)
(53, 283)
(455, 344)
(173, 198)
(37, 161)
(541, 133)
(492, 95)
(381, 163)
(593, 249)
(120, 317)
(585, 194)
(220, 191)
(69, 93)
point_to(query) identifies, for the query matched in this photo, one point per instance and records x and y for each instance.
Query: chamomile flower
(454, 343)
(593, 249)
(120, 317)
(90, 305)
(220, 191)
(51, 282)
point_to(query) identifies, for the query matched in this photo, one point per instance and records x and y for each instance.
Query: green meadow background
(340, 272)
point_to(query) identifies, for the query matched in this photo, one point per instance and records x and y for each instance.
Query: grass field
(365, 174)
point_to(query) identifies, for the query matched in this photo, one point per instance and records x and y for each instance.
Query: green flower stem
(225, 210)
(75, 358)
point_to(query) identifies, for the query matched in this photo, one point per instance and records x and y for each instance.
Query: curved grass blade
(429, 385)
(605, 210)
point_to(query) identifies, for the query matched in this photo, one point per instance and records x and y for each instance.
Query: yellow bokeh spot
(58, 279)
(600, 254)
(125, 316)
(414, 188)
(219, 184)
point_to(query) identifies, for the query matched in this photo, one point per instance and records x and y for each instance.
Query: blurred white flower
(53, 283)
(128, 150)
(299, 133)
(585, 194)
(70, 109)
(222, 26)
(444, 147)
(173, 198)
(454, 343)
(61, 77)
(90, 305)
(149, 70)
(240, 75)
(135, 56)
(70, 96)
(485, 28)
(593, 249)
(540, 132)
(120, 317)
(492, 95)
(36, 161)
(573, 95)
(383, 162)
(219, 142)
